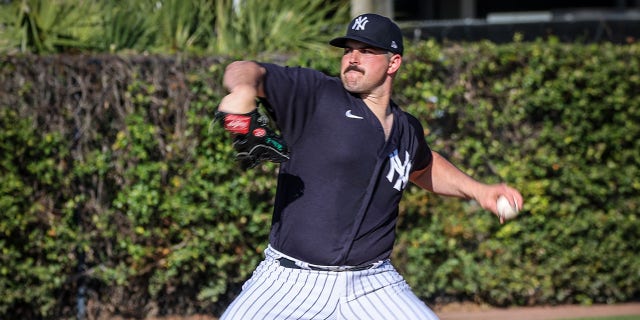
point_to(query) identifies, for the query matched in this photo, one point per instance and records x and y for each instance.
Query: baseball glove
(254, 140)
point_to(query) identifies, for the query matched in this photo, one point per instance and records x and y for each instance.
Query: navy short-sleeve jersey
(337, 197)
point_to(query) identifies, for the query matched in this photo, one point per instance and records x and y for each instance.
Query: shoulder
(413, 121)
(408, 118)
(293, 70)
(301, 80)
(413, 133)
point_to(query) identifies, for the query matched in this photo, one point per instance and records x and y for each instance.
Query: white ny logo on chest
(396, 165)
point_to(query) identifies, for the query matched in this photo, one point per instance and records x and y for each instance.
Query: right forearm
(243, 80)
(254, 139)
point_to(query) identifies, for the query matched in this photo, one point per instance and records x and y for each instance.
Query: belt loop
(277, 255)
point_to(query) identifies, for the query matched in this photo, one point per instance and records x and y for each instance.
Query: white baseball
(505, 209)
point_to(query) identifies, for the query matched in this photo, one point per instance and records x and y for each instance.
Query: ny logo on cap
(359, 23)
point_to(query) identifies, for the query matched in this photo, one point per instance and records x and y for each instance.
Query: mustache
(353, 68)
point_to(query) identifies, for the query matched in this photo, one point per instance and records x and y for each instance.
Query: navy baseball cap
(374, 30)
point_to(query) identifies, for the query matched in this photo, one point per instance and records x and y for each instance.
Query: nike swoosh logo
(352, 116)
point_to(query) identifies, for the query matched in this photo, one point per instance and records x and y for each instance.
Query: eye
(368, 51)
(347, 50)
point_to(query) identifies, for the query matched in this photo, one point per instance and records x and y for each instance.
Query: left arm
(443, 178)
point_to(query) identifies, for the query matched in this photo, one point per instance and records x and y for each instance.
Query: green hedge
(115, 179)
(560, 122)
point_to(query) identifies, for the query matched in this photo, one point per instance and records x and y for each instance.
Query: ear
(394, 63)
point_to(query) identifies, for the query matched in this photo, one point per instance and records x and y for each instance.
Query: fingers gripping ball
(254, 140)
(506, 210)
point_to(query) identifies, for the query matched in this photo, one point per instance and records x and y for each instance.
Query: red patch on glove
(237, 123)
(259, 132)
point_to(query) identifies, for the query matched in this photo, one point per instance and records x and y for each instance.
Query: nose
(354, 57)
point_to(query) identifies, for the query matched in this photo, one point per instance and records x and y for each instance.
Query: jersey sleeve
(290, 93)
(423, 155)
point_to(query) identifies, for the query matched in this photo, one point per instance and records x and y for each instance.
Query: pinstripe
(282, 293)
(410, 304)
(248, 289)
(385, 302)
(351, 316)
(300, 304)
(378, 297)
(383, 292)
(417, 306)
(276, 292)
(390, 298)
(251, 287)
(352, 298)
(292, 297)
(364, 310)
(366, 297)
(324, 286)
(403, 290)
(385, 287)
(261, 301)
(333, 313)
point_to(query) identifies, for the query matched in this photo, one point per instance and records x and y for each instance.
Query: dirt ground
(475, 312)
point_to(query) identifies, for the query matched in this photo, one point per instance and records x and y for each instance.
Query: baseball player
(347, 152)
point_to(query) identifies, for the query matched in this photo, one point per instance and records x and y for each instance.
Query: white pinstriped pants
(275, 292)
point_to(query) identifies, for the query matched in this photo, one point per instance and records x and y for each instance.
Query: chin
(351, 85)
(351, 88)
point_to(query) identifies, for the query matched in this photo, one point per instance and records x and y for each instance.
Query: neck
(381, 107)
(378, 99)
(378, 104)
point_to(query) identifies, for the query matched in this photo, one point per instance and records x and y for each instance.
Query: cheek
(344, 62)
(378, 71)
(378, 64)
